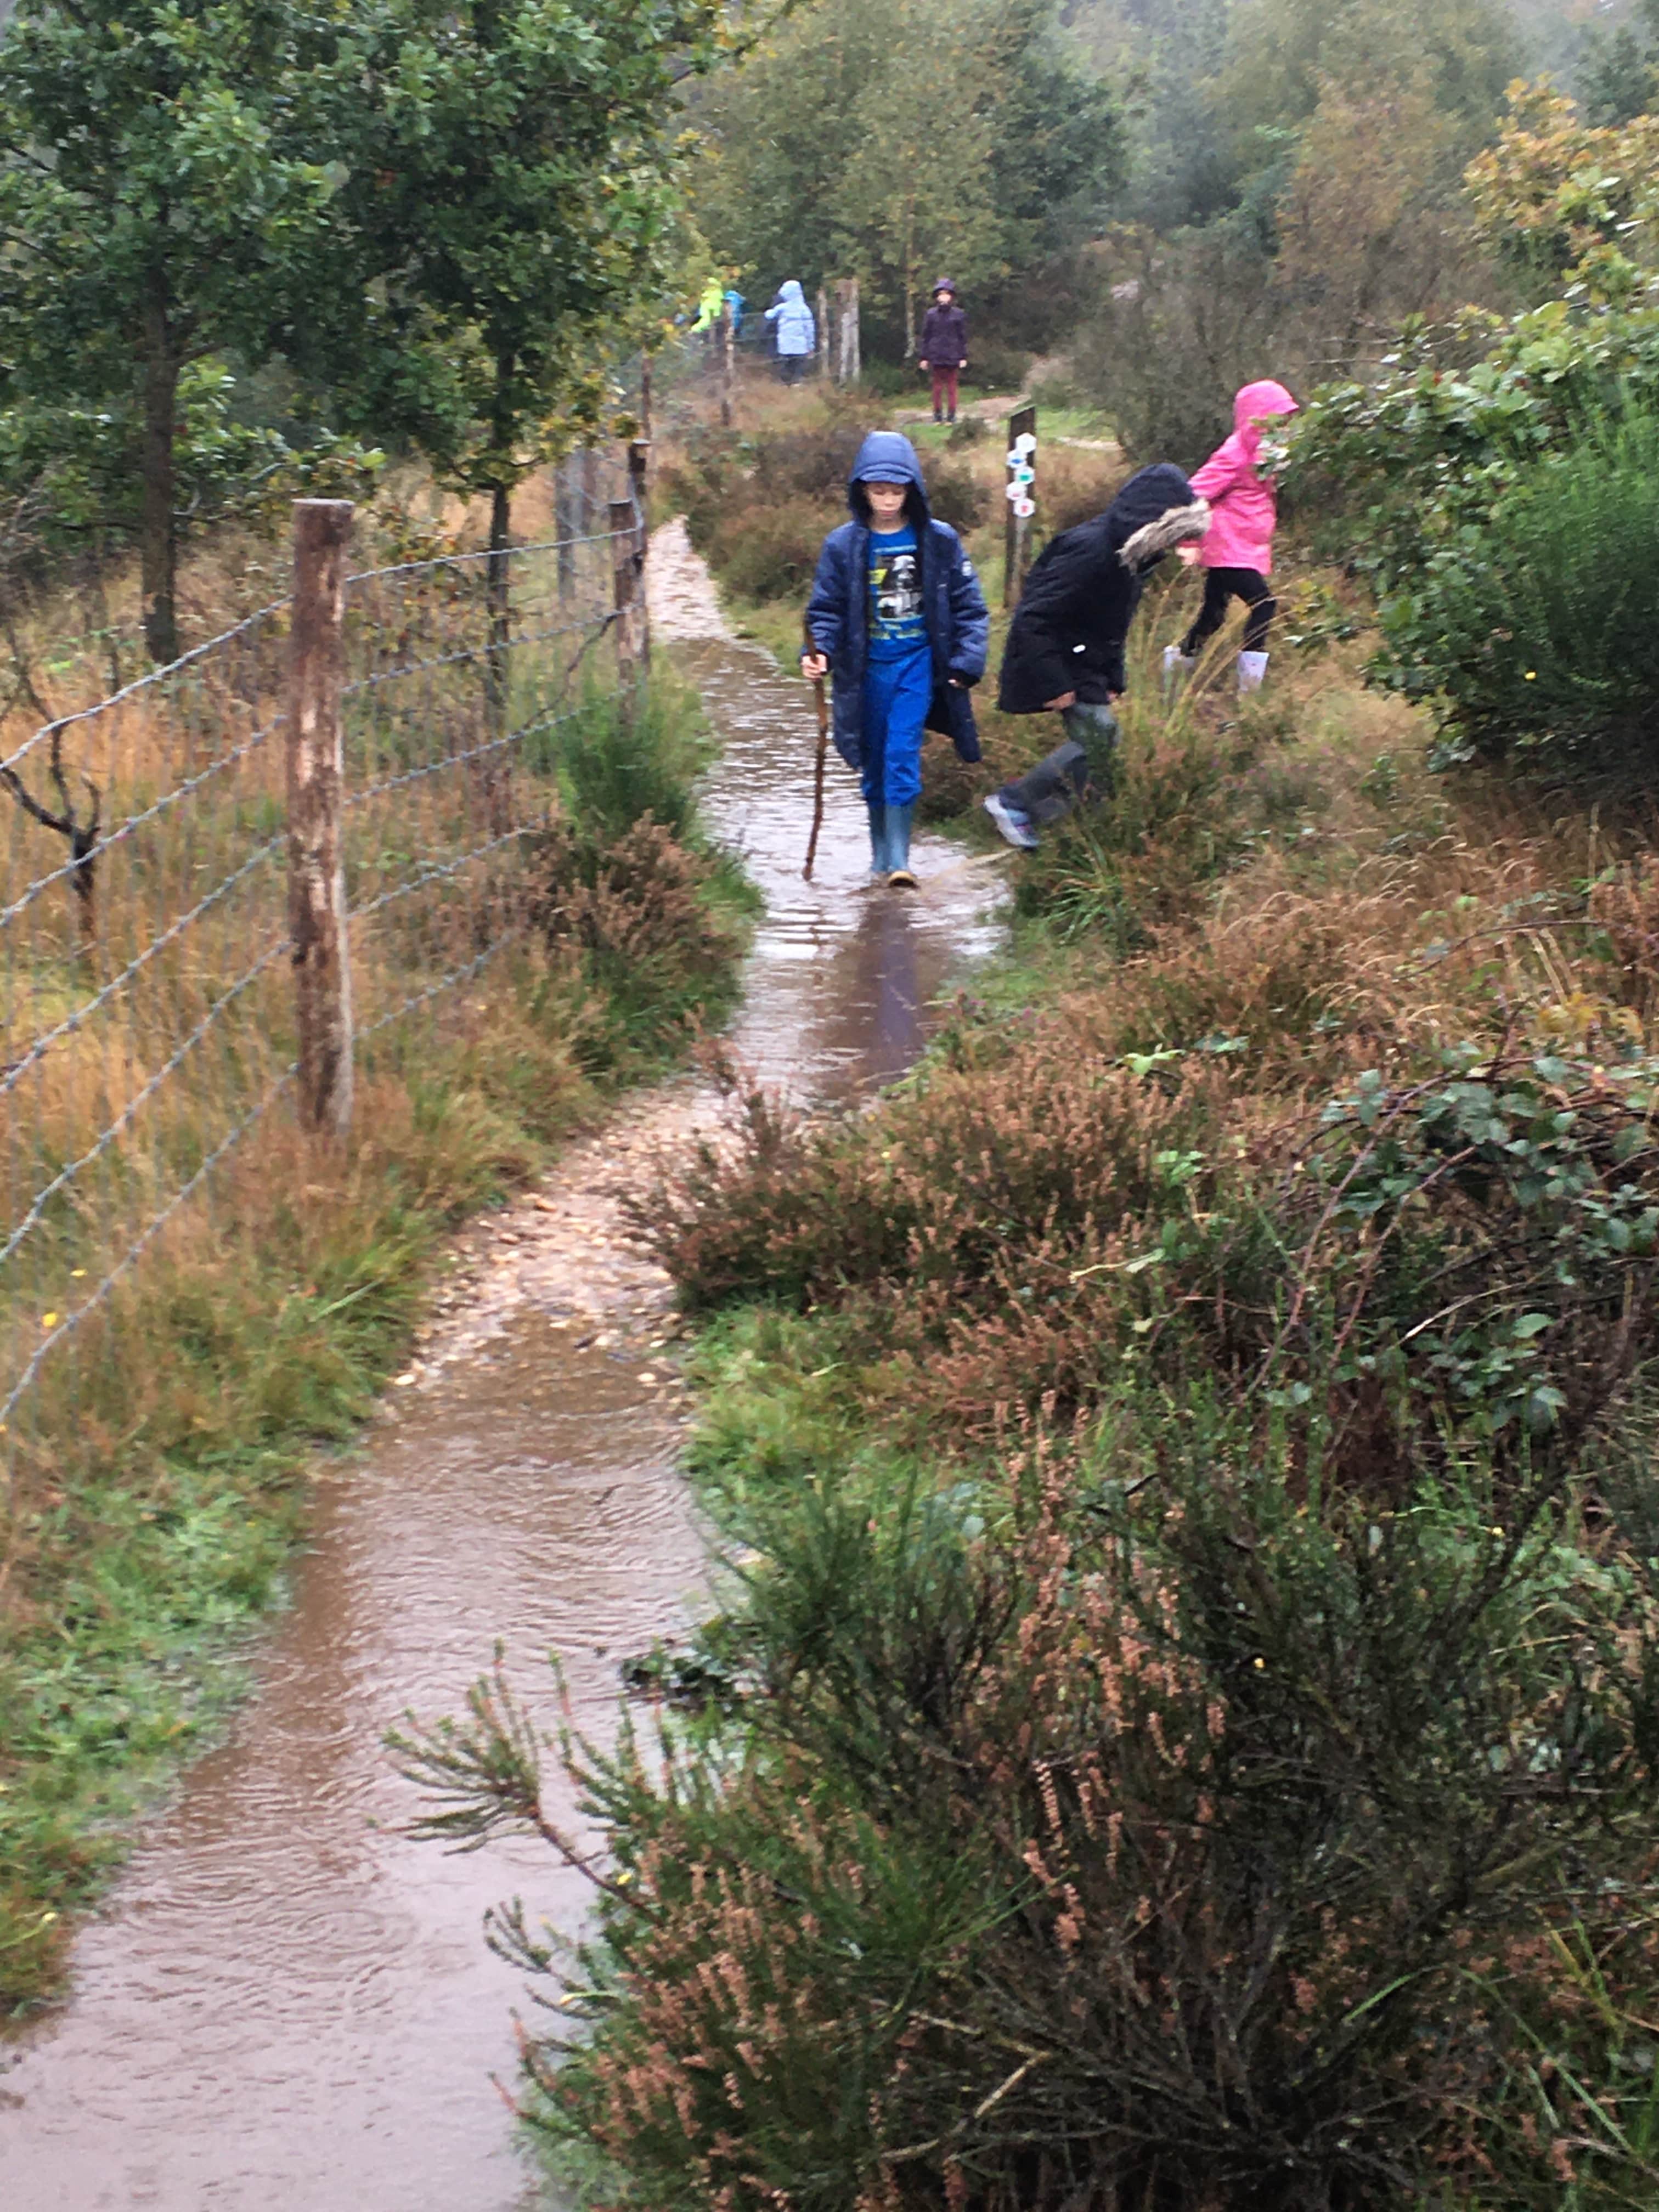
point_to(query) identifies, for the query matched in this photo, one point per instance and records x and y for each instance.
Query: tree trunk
(159, 549)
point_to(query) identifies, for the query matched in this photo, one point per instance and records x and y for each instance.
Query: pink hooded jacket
(1244, 506)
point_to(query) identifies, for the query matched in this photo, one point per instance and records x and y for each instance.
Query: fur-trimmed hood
(1156, 511)
(1177, 526)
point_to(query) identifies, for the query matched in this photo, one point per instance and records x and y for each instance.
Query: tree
(1283, 52)
(954, 136)
(160, 200)
(917, 199)
(1564, 203)
(1372, 226)
(510, 210)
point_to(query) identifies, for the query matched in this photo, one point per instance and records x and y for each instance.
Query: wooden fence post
(639, 484)
(850, 367)
(824, 333)
(566, 521)
(316, 770)
(1017, 531)
(724, 348)
(625, 581)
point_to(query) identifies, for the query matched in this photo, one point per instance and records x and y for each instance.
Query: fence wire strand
(147, 1020)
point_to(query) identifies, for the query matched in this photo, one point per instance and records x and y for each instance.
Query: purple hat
(944, 284)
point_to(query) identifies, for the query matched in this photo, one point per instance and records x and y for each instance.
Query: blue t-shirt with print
(897, 626)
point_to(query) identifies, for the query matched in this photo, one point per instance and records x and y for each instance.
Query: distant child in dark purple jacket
(944, 347)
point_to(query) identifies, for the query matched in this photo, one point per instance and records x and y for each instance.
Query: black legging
(1221, 586)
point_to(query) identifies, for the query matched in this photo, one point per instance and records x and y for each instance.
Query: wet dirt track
(287, 2004)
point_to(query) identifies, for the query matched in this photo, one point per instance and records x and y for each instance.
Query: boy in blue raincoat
(898, 618)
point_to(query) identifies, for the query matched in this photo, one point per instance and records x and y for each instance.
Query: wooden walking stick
(823, 705)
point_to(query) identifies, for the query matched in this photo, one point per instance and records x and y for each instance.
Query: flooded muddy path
(286, 2004)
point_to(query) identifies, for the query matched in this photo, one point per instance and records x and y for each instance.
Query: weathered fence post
(590, 491)
(625, 578)
(316, 770)
(725, 347)
(639, 484)
(1017, 531)
(566, 521)
(849, 366)
(824, 333)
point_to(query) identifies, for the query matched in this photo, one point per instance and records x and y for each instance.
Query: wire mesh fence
(148, 1031)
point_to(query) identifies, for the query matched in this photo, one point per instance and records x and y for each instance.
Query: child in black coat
(944, 347)
(1065, 649)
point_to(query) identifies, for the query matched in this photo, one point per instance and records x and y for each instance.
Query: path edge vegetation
(1092, 1392)
(256, 1338)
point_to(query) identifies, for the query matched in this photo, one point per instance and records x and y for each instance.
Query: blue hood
(888, 453)
(790, 293)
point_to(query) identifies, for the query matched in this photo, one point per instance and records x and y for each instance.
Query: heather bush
(1466, 1257)
(1147, 1824)
(1074, 485)
(763, 549)
(758, 507)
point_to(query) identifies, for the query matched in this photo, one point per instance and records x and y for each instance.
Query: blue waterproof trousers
(896, 697)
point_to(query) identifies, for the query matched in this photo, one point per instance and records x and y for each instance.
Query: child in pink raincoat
(1237, 554)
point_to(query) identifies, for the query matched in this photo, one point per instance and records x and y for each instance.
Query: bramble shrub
(1148, 1826)
(1497, 507)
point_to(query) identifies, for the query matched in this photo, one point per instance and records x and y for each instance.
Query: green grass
(247, 1345)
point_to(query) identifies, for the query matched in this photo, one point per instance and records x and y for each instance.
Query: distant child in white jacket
(797, 331)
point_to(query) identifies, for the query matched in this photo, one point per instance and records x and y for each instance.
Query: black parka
(1069, 630)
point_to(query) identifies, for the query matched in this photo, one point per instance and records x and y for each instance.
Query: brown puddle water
(286, 2004)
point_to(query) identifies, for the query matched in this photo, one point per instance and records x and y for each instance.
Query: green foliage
(1535, 629)
(249, 1343)
(1499, 510)
(1618, 75)
(167, 199)
(963, 144)
(440, 218)
(1131, 1806)
(508, 213)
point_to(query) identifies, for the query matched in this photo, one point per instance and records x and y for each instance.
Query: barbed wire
(147, 1024)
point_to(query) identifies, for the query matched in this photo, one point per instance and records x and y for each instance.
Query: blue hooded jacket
(797, 331)
(953, 606)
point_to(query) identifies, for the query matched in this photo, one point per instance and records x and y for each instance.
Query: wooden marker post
(316, 774)
(1021, 493)
(824, 334)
